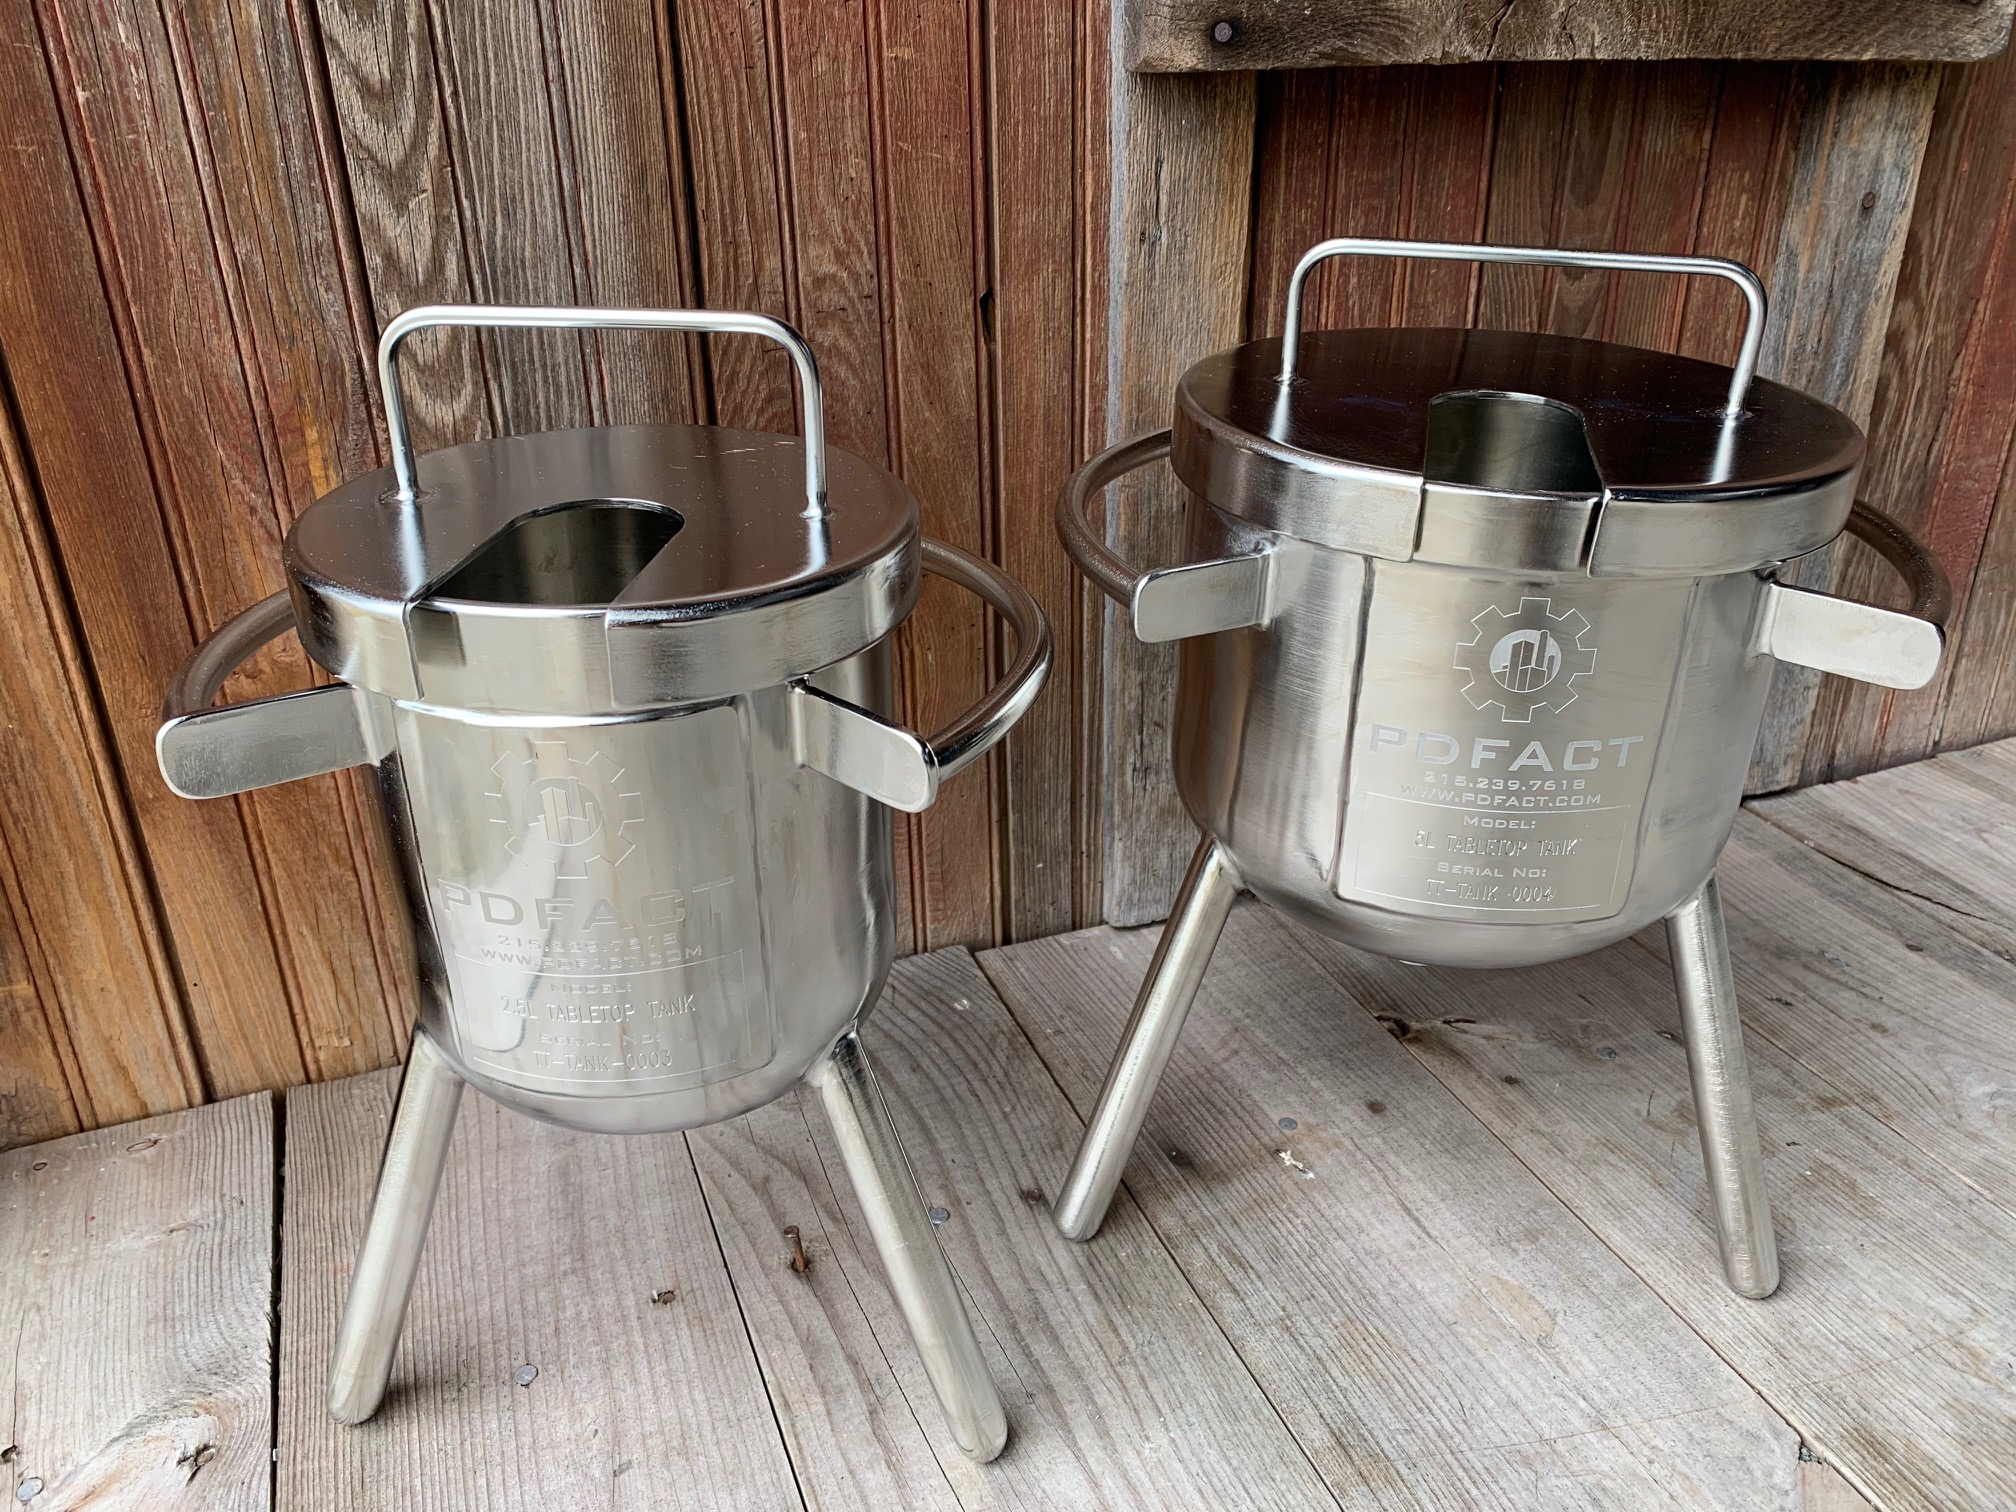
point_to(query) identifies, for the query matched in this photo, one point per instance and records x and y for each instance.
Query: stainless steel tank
(1477, 628)
(628, 691)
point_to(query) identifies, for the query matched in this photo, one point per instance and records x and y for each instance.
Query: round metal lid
(1514, 449)
(605, 570)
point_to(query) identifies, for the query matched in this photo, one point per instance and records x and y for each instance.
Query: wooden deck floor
(1396, 1238)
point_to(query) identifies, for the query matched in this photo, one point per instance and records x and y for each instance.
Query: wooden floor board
(857, 1439)
(1880, 996)
(1436, 1327)
(1941, 831)
(1121, 1391)
(1395, 1237)
(1887, 1345)
(135, 1273)
(547, 1249)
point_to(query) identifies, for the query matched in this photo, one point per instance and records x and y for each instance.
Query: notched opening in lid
(581, 554)
(1509, 443)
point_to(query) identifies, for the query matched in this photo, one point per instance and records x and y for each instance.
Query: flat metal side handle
(1623, 262)
(565, 318)
(1862, 641)
(213, 753)
(1170, 603)
(895, 766)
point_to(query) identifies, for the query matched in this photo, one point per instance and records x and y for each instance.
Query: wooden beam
(1940, 439)
(1191, 36)
(1862, 137)
(1179, 221)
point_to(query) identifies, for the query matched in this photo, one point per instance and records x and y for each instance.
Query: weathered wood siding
(1004, 246)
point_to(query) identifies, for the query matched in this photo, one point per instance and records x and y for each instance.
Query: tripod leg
(415, 1151)
(918, 1275)
(1700, 949)
(1164, 1002)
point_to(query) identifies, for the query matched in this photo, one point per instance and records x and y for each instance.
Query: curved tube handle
(1170, 603)
(1852, 639)
(213, 753)
(1622, 262)
(563, 318)
(895, 766)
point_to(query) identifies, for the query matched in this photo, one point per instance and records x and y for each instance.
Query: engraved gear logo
(573, 809)
(1526, 660)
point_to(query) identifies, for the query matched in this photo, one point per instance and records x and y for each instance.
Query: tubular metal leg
(918, 1274)
(1700, 950)
(415, 1151)
(1164, 1002)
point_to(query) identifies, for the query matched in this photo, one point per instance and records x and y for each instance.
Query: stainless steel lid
(1515, 449)
(604, 570)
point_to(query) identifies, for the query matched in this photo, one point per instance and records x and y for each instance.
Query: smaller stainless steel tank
(1477, 628)
(629, 695)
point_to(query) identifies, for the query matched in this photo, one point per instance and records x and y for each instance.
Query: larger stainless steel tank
(1477, 628)
(629, 695)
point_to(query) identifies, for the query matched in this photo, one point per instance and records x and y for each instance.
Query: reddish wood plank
(1030, 337)
(1606, 156)
(39, 1091)
(1092, 251)
(924, 83)
(97, 479)
(1981, 696)
(726, 77)
(256, 75)
(1988, 637)
(217, 268)
(91, 1028)
(1743, 194)
(381, 69)
(1371, 152)
(503, 129)
(1596, 158)
(837, 296)
(281, 233)
(569, 191)
(1662, 207)
(1448, 180)
(1534, 120)
(836, 259)
(1363, 197)
(623, 177)
(1294, 114)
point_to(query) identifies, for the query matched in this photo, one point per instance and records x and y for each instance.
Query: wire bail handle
(1625, 262)
(564, 318)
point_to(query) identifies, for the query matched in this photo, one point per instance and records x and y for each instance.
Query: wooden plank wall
(1004, 247)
